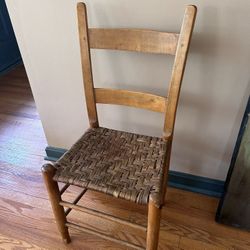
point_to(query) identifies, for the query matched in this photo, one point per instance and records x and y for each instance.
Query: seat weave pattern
(122, 164)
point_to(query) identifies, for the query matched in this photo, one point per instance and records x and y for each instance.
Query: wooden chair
(126, 165)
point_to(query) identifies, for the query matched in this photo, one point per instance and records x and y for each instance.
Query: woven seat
(121, 164)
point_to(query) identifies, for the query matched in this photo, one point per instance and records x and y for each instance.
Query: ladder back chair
(125, 165)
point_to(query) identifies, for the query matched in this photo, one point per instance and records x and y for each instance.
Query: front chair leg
(48, 171)
(154, 217)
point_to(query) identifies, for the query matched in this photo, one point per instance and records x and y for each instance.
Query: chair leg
(154, 217)
(48, 171)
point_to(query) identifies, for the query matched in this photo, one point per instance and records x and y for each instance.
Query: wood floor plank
(12, 243)
(26, 219)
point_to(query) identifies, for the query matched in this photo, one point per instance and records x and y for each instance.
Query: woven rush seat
(122, 164)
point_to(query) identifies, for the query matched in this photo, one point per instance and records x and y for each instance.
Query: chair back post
(178, 70)
(86, 65)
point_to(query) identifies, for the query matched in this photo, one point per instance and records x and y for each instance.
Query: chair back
(139, 40)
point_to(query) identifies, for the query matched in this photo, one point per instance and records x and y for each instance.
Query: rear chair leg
(154, 217)
(48, 171)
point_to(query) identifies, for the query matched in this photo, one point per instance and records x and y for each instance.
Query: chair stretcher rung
(64, 188)
(75, 201)
(102, 215)
(104, 236)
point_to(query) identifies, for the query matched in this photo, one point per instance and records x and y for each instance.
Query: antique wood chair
(126, 165)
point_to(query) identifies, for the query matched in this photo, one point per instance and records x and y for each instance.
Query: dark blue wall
(9, 52)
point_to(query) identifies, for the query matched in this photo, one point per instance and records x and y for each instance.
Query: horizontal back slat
(130, 98)
(139, 40)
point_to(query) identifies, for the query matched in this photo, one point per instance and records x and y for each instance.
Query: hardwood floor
(26, 220)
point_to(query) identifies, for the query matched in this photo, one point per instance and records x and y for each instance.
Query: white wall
(215, 87)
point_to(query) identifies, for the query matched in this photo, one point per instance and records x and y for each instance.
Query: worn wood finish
(140, 40)
(78, 197)
(131, 98)
(165, 171)
(86, 65)
(64, 188)
(178, 69)
(101, 215)
(54, 194)
(154, 217)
